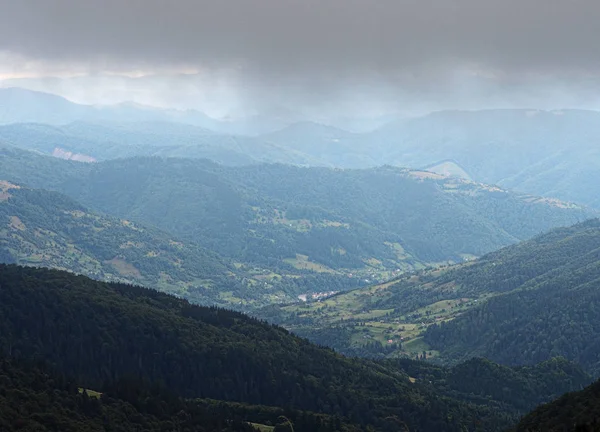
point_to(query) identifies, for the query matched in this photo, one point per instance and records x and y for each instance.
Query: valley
(224, 365)
(370, 322)
(42, 228)
(410, 278)
(263, 234)
(299, 216)
(546, 286)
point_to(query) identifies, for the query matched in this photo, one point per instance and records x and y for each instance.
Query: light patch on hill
(68, 155)
(75, 213)
(16, 223)
(555, 202)
(124, 268)
(4, 188)
(280, 217)
(130, 225)
(302, 262)
(449, 169)
(422, 175)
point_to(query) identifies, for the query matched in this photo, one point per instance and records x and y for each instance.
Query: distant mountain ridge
(546, 153)
(369, 222)
(115, 139)
(18, 105)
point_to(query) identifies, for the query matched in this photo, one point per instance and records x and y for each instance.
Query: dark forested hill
(99, 333)
(369, 223)
(31, 399)
(35, 398)
(549, 304)
(573, 412)
(515, 388)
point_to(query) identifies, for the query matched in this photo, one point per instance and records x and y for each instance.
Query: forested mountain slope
(365, 222)
(203, 352)
(550, 305)
(99, 333)
(520, 305)
(573, 412)
(43, 228)
(31, 399)
(517, 389)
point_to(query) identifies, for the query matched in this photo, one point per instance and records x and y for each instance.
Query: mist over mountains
(546, 153)
(299, 216)
(394, 241)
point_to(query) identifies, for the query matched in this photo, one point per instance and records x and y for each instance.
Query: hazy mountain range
(287, 230)
(384, 244)
(547, 153)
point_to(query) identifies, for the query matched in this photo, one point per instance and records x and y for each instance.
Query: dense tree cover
(98, 332)
(341, 219)
(573, 412)
(548, 307)
(514, 388)
(34, 398)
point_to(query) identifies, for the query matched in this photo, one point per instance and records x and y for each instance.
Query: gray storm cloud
(275, 36)
(313, 52)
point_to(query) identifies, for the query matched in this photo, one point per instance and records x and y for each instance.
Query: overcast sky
(314, 54)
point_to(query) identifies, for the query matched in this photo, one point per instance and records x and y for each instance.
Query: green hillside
(549, 307)
(520, 305)
(47, 229)
(371, 224)
(100, 334)
(42, 228)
